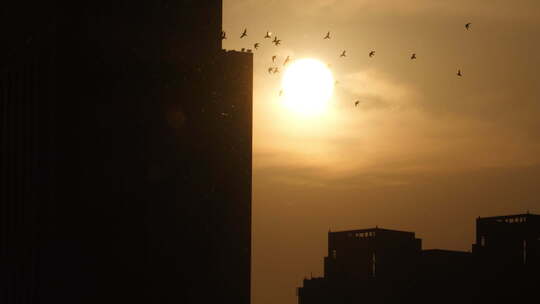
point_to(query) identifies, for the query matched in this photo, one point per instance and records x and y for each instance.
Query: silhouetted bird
(270, 70)
(468, 25)
(327, 36)
(223, 35)
(276, 70)
(274, 58)
(413, 56)
(371, 54)
(268, 35)
(356, 103)
(343, 54)
(244, 34)
(277, 42)
(459, 73)
(256, 45)
(286, 60)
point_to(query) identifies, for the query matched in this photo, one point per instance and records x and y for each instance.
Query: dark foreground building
(125, 165)
(386, 266)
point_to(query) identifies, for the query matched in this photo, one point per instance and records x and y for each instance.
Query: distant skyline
(391, 266)
(426, 151)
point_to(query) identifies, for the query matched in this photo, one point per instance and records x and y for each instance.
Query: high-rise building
(507, 257)
(126, 155)
(371, 253)
(369, 265)
(508, 243)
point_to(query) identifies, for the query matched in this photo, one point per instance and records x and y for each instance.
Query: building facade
(371, 253)
(126, 138)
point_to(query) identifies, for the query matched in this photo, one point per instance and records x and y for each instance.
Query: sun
(307, 87)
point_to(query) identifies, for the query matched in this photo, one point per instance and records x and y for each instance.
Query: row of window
(362, 234)
(513, 220)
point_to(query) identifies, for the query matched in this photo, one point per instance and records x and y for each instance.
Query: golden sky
(425, 151)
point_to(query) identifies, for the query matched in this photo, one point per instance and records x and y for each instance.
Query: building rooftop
(376, 229)
(444, 252)
(516, 218)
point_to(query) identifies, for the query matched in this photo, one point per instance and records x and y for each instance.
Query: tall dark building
(126, 155)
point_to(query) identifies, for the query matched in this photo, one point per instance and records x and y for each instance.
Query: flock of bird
(277, 42)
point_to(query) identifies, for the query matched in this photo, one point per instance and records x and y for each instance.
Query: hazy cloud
(423, 151)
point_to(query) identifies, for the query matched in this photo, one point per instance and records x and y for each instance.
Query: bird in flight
(274, 58)
(371, 54)
(276, 70)
(413, 56)
(356, 103)
(286, 60)
(270, 70)
(343, 54)
(268, 35)
(327, 36)
(244, 34)
(459, 73)
(277, 42)
(223, 35)
(467, 25)
(256, 45)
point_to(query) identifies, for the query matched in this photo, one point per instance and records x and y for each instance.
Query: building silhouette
(387, 266)
(371, 253)
(125, 165)
(507, 243)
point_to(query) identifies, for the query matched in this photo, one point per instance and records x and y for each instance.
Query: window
(373, 264)
(524, 251)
